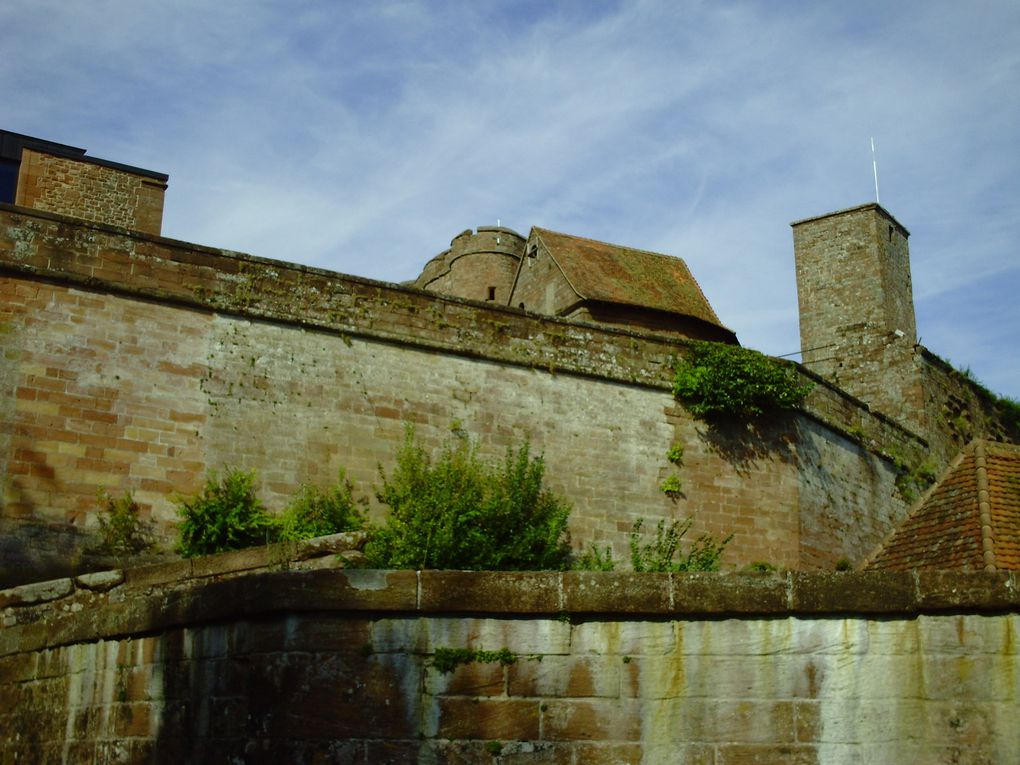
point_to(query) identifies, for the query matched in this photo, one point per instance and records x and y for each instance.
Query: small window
(492, 293)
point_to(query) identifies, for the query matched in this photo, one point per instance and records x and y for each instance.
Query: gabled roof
(970, 520)
(611, 273)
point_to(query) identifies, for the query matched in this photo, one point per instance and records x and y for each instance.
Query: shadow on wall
(285, 689)
(37, 552)
(34, 551)
(746, 443)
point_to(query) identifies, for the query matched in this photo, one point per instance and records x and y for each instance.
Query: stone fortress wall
(134, 362)
(138, 363)
(858, 331)
(260, 656)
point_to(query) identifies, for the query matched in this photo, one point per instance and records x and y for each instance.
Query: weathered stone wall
(858, 331)
(138, 363)
(199, 663)
(540, 285)
(478, 266)
(90, 190)
(857, 322)
(958, 409)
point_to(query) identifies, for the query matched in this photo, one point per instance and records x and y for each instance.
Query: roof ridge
(611, 244)
(984, 506)
(1001, 446)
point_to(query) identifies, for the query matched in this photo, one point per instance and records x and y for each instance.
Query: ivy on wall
(716, 379)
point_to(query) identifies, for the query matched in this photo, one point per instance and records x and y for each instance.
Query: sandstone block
(485, 719)
(100, 581)
(40, 592)
(594, 591)
(488, 591)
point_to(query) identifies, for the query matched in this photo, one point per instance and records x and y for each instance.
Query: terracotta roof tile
(944, 531)
(616, 274)
(1003, 465)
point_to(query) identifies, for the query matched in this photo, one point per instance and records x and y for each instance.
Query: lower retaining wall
(203, 662)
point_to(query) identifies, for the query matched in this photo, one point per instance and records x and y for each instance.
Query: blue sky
(363, 136)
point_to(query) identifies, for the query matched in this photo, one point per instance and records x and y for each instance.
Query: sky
(362, 137)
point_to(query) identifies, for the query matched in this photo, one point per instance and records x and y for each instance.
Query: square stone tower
(857, 308)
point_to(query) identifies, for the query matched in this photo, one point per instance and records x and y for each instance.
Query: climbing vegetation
(672, 486)
(719, 379)
(912, 477)
(446, 660)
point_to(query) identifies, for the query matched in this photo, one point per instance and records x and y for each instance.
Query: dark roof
(615, 274)
(970, 520)
(11, 145)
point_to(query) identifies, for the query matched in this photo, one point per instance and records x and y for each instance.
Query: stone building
(137, 363)
(132, 362)
(575, 278)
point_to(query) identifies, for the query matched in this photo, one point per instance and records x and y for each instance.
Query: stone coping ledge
(331, 551)
(125, 603)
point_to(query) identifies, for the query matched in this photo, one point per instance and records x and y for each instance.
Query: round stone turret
(478, 266)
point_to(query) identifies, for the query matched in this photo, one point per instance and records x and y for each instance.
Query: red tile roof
(616, 274)
(970, 520)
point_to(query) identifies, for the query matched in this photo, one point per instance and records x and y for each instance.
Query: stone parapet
(367, 666)
(261, 581)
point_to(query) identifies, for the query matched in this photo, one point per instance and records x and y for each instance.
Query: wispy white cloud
(363, 136)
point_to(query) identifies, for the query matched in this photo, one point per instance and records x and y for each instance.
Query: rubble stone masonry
(91, 190)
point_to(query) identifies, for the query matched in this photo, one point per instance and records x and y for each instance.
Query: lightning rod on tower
(874, 168)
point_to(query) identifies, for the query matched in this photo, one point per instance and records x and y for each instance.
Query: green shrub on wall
(121, 528)
(459, 512)
(226, 515)
(316, 512)
(720, 379)
(595, 558)
(665, 552)
(912, 477)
